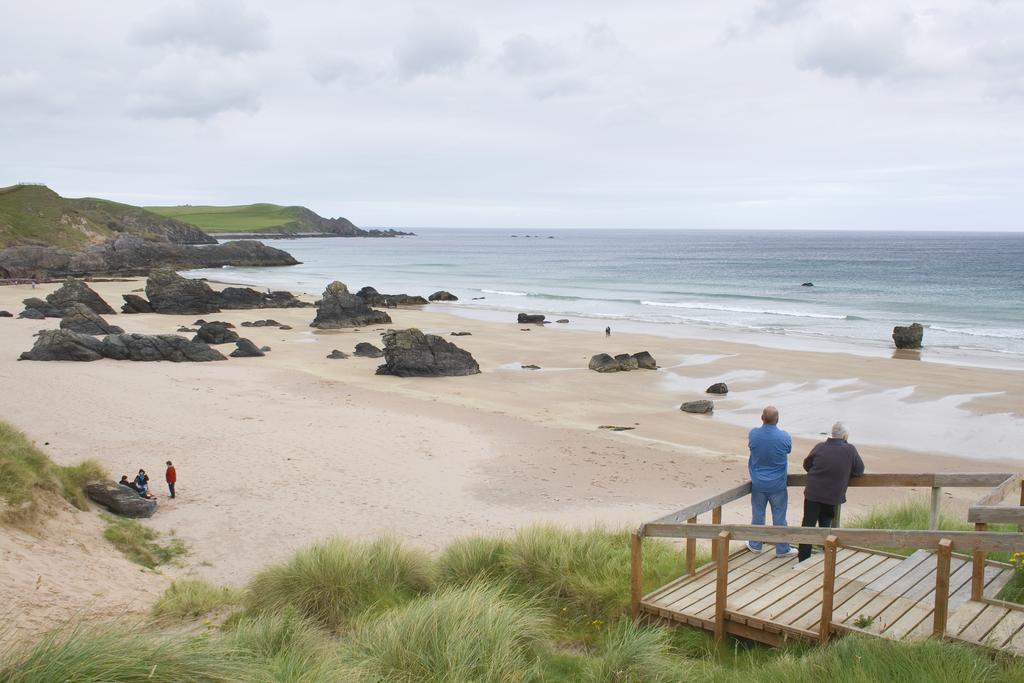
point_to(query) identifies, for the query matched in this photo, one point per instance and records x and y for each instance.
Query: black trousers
(815, 514)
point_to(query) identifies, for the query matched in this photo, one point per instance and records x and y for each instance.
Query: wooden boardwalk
(772, 599)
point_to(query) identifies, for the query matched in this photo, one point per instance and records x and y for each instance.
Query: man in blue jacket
(769, 467)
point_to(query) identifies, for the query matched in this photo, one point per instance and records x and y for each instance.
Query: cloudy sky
(734, 114)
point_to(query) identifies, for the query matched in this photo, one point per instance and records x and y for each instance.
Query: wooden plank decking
(876, 593)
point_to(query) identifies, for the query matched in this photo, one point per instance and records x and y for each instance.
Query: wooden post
(942, 560)
(1021, 527)
(828, 590)
(721, 583)
(716, 515)
(636, 573)
(933, 516)
(691, 551)
(978, 572)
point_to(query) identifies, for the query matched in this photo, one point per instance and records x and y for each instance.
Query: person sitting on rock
(142, 483)
(130, 484)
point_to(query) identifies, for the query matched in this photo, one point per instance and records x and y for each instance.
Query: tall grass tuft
(124, 654)
(630, 652)
(473, 558)
(462, 635)
(332, 582)
(285, 647)
(195, 597)
(139, 543)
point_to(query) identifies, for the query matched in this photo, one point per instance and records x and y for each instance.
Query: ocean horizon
(965, 288)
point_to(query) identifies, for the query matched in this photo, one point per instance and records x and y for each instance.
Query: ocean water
(966, 288)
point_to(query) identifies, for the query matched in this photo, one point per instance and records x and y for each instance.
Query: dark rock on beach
(442, 296)
(76, 291)
(718, 388)
(80, 318)
(246, 349)
(6, 314)
(531, 366)
(410, 353)
(461, 334)
(645, 361)
(562, 320)
(701, 407)
(623, 362)
(374, 298)
(530, 319)
(807, 284)
(37, 309)
(215, 333)
(627, 362)
(171, 293)
(261, 323)
(340, 308)
(368, 350)
(66, 345)
(238, 298)
(337, 355)
(602, 362)
(909, 337)
(121, 500)
(133, 303)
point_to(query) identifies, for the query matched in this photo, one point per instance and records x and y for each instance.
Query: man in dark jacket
(829, 467)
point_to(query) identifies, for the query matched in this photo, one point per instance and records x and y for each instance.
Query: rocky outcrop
(133, 303)
(261, 323)
(66, 345)
(442, 296)
(461, 334)
(909, 337)
(235, 298)
(246, 349)
(37, 309)
(701, 407)
(374, 298)
(171, 293)
(807, 284)
(340, 308)
(718, 388)
(76, 291)
(530, 319)
(133, 255)
(80, 318)
(215, 333)
(121, 500)
(337, 355)
(367, 350)
(645, 361)
(623, 362)
(410, 353)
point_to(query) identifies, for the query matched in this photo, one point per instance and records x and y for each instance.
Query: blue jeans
(758, 503)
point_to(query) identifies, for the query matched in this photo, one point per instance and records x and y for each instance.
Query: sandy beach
(278, 452)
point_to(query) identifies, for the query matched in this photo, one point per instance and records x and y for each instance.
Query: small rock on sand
(701, 407)
(718, 388)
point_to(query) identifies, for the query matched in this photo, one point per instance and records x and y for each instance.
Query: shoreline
(279, 452)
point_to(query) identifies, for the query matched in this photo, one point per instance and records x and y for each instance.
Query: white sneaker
(792, 552)
(753, 549)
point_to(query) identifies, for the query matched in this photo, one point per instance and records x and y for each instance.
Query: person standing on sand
(172, 477)
(829, 467)
(769, 468)
(608, 331)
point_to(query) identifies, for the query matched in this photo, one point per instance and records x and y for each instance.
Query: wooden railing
(684, 524)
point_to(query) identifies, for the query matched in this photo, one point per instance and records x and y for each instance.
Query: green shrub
(334, 581)
(462, 635)
(124, 654)
(195, 597)
(139, 543)
(25, 471)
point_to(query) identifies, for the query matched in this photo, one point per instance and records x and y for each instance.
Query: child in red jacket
(172, 477)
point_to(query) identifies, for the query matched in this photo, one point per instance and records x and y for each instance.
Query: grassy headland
(35, 214)
(244, 218)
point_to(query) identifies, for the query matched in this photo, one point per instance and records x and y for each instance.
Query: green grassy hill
(245, 218)
(35, 214)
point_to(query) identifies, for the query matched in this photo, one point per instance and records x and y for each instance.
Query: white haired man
(829, 467)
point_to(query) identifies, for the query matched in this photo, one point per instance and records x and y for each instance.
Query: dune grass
(193, 597)
(139, 543)
(332, 582)
(25, 472)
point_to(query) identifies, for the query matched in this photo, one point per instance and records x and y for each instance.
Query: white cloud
(329, 69)
(222, 25)
(861, 52)
(559, 87)
(432, 46)
(524, 55)
(187, 86)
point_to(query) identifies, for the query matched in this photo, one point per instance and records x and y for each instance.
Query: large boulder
(120, 499)
(909, 337)
(718, 388)
(76, 291)
(367, 350)
(53, 345)
(530, 319)
(602, 362)
(6, 314)
(701, 407)
(133, 303)
(246, 349)
(340, 308)
(627, 362)
(215, 333)
(231, 298)
(81, 318)
(37, 309)
(645, 361)
(442, 296)
(171, 293)
(374, 298)
(410, 353)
